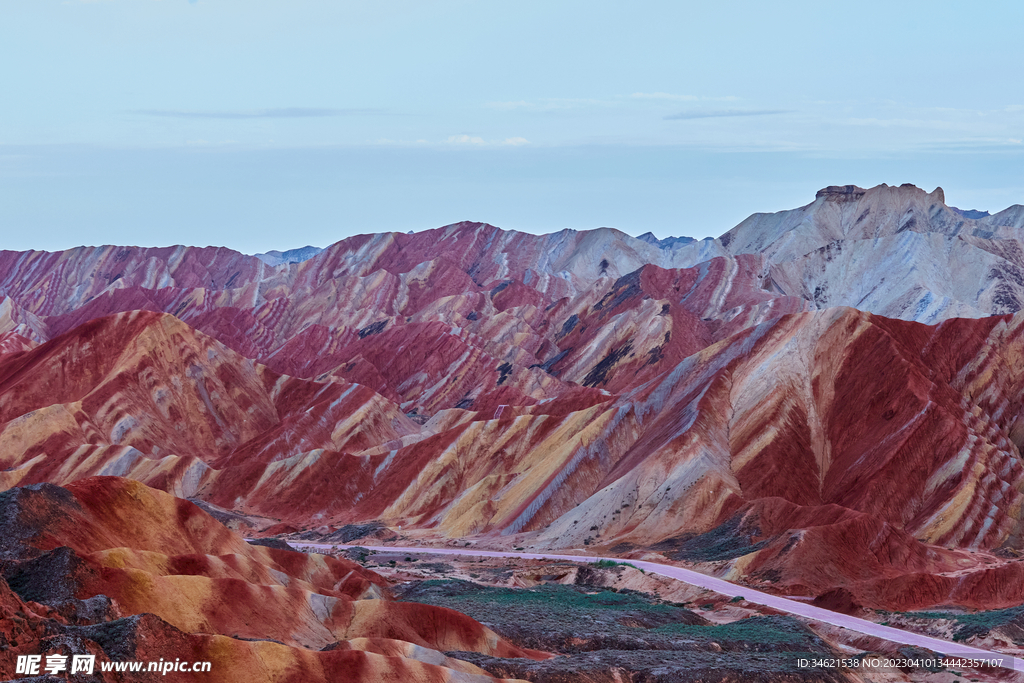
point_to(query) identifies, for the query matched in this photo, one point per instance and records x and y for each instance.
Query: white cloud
(679, 98)
(902, 123)
(518, 104)
(722, 113)
(477, 141)
(465, 140)
(663, 96)
(552, 104)
(277, 113)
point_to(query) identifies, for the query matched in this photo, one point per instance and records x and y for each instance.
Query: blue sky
(260, 124)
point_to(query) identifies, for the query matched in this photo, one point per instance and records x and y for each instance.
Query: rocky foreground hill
(824, 401)
(110, 568)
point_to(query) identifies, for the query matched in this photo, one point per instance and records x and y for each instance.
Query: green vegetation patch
(729, 540)
(778, 630)
(977, 623)
(611, 564)
(574, 619)
(569, 597)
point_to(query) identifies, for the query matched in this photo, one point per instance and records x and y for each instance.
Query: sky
(272, 124)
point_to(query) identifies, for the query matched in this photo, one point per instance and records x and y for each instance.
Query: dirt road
(730, 589)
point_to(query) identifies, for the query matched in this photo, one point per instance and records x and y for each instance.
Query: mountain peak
(854, 192)
(665, 243)
(971, 213)
(276, 258)
(841, 192)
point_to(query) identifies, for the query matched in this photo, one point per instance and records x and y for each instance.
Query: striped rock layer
(711, 400)
(109, 567)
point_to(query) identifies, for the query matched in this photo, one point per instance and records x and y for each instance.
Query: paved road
(730, 589)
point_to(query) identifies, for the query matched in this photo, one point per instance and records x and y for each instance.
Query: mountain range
(824, 399)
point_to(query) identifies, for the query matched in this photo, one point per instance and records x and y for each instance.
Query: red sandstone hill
(559, 391)
(107, 566)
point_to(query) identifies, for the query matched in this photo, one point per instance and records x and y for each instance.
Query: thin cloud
(554, 104)
(518, 104)
(465, 140)
(281, 113)
(664, 96)
(669, 97)
(723, 113)
(908, 123)
(551, 104)
(982, 145)
(477, 141)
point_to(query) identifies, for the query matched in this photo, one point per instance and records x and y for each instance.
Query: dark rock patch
(374, 328)
(599, 373)
(276, 543)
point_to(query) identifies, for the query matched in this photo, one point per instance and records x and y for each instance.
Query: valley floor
(622, 616)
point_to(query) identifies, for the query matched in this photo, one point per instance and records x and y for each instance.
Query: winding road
(724, 587)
